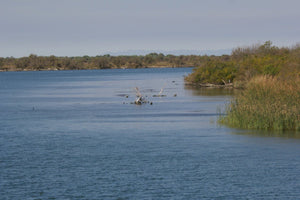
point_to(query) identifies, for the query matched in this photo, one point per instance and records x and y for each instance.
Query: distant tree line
(34, 62)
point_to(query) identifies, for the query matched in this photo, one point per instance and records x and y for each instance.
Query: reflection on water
(262, 133)
(206, 91)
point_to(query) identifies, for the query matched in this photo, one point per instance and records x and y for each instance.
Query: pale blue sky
(95, 27)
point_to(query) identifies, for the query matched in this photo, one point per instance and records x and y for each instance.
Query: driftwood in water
(160, 93)
(140, 98)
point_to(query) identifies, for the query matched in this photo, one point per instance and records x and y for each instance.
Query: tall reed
(267, 103)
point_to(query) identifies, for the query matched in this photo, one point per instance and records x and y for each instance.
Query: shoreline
(56, 69)
(210, 85)
(47, 63)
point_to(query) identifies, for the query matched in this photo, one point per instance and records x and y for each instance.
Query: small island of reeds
(269, 79)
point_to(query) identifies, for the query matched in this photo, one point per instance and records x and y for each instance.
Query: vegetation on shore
(267, 103)
(270, 79)
(34, 62)
(245, 63)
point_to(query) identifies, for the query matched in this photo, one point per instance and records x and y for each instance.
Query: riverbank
(210, 85)
(62, 69)
(269, 78)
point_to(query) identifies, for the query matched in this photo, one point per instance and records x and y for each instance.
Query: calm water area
(77, 135)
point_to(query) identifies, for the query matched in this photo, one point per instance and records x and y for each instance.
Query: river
(77, 135)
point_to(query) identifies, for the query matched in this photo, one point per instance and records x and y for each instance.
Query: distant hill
(218, 52)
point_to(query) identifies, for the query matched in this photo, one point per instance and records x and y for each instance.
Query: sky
(97, 27)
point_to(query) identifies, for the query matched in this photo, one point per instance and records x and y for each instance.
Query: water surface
(75, 135)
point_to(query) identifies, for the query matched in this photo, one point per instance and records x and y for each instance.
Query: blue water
(75, 135)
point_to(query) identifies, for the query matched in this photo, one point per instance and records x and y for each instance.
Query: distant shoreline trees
(35, 63)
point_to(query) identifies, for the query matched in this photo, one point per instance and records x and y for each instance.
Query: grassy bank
(267, 103)
(269, 79)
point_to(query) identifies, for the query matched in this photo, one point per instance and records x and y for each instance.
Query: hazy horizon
(142, 52)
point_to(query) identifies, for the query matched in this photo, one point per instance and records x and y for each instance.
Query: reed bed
(267, 103)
